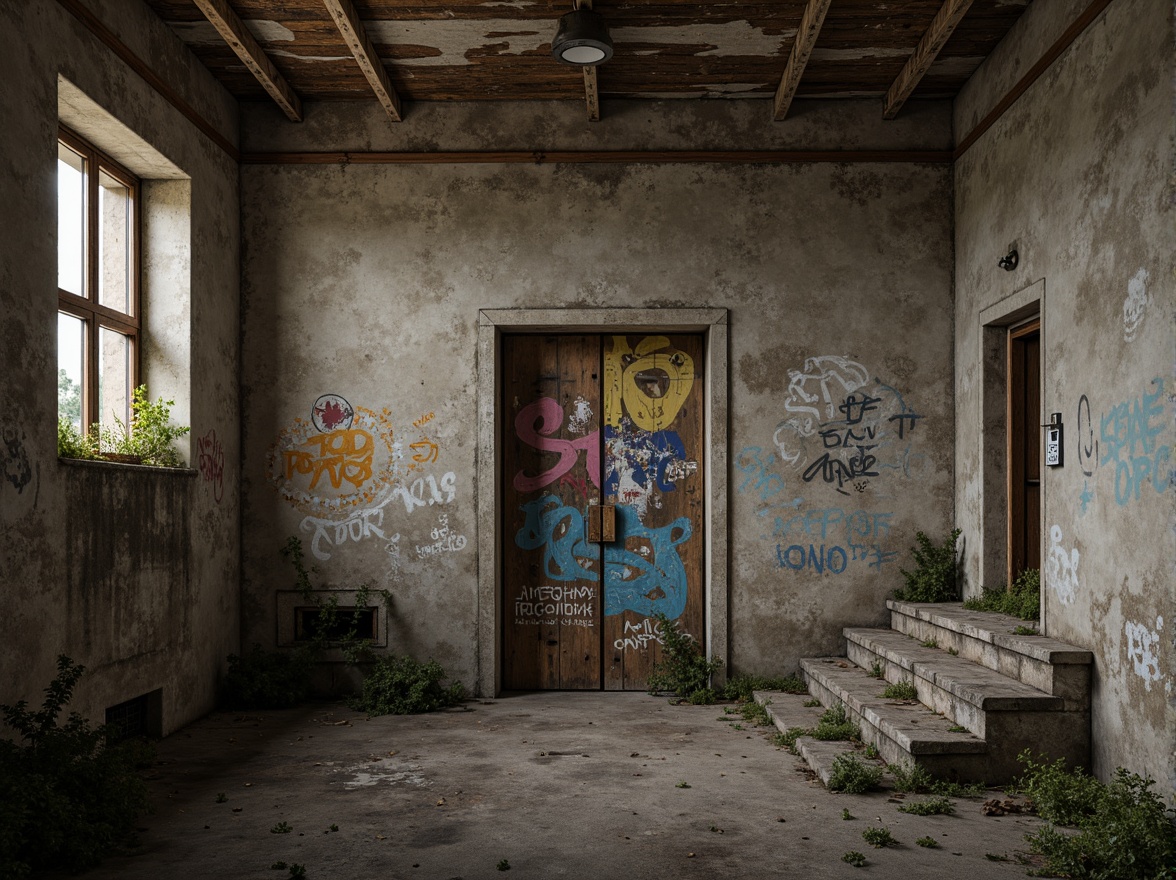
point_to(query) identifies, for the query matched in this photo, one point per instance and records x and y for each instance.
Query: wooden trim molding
(604, 157)
(1060, 45)
(107, 37)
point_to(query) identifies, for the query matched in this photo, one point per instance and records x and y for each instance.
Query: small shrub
(846, 815)
(957, 728)
(854, 858)
(1124, 828)
(957, 789)
(267, 679)
(901, 690)
(404, 686)
(935, 576)
(953, 652)
(851, 775)
(756, 714)
(811, 704)
(937, 806)
(67, 798)
(910, 778)
(282, 828)
(787, 740)
(683, 668)
(876, 670)
(835, 725)
(929, 842)
(930, 643)
(1022, 599)
(149, 435)
(221, 797)
(297, 872)
(1025, 630)
(878, 837)
(682, 784)
(503, 865)
(741, 687)
(871, 751)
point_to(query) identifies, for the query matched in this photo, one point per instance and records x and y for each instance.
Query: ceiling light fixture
(582, 39)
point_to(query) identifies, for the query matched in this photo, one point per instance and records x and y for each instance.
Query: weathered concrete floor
(575, 785)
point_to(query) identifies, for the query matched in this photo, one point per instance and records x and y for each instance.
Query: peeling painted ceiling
(473, 50)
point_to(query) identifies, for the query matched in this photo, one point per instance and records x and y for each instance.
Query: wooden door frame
(492, 324)
(993, 538)
(1013, 422)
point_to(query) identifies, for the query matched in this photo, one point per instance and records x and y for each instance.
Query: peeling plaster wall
(1080, 174)
(131, 572)
(364, 282)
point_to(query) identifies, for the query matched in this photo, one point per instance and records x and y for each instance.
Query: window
(97, 284)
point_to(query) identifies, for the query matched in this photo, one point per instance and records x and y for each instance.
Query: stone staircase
(980, 704)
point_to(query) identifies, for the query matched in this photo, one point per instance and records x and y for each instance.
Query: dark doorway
(1024, 462)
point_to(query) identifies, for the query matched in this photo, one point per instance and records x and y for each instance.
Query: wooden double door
(603, 487)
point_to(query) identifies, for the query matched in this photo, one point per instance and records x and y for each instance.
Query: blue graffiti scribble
(648, 580)
(1086, 497)
(641, 454)
(1128, 436)
(645, 583)
(559, 531)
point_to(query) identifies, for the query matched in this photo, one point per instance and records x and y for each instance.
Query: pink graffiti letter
(535, 424)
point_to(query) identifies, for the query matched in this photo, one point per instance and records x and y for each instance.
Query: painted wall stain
(843, 429)
(210, 457)
(344, 465)
(18, 471)
(1061, 568)
(1143, 650)
(1135, 305)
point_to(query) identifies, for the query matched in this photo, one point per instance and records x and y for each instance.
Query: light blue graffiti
(651, 582)
(815, 558)
(1128, 437)
(750, 461)
(648, 580)
(855, 528)
(559, 531)
(1086, 497)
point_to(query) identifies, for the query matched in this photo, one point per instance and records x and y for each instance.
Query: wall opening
(995, 536)
(492, 325)
(141, 716)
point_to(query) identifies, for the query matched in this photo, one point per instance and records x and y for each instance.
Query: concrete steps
(977, 709)
(988, 640)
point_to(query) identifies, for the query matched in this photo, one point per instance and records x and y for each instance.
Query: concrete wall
(1080, 175)
(131, 572)
(365, 282)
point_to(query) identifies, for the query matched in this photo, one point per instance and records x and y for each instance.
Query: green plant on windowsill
(146, 440)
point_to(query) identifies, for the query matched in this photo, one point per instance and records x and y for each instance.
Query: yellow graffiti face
(652, 382)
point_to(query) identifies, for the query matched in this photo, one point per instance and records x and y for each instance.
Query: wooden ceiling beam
(591, 94)
(802, 47)
(222, 17)
(950, 14)
(347, 20)
(591, 91)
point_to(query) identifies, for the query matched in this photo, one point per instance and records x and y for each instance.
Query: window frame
(86, 307)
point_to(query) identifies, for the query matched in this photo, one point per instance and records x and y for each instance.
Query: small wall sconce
(1009, 261)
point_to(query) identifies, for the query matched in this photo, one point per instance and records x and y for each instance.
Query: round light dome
(582, 39)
